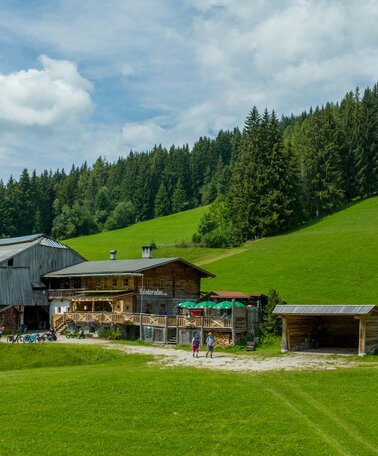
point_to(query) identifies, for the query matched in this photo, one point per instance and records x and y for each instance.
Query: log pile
(222, 339)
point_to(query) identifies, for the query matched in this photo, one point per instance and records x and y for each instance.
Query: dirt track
(170, 357)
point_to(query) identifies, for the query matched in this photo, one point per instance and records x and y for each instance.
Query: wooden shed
(334, 328)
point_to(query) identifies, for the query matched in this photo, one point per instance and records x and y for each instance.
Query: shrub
(110, 333)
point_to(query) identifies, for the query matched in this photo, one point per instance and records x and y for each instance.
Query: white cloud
(56, 95)
(169, 72)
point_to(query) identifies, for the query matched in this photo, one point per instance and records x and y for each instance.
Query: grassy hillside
(125, 407)
(168, 230)
(334, 260)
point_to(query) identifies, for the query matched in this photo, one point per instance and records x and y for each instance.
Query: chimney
(113, 254)
(147, 251)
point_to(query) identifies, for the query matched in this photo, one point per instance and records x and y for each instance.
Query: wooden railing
(152, 320)
(65, 292)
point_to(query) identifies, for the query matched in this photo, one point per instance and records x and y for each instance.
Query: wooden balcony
(65, 292)
(162, 321)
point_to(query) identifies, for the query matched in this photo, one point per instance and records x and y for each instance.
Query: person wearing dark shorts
(210, 340)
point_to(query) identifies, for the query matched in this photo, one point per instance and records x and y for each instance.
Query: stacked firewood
(222, 339)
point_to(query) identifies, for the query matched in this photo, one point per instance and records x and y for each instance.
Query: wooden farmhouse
(140, 297)
(330, 328)
(23, 262)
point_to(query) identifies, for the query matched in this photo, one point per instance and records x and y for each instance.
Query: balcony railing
(161, 321)
(65, 292)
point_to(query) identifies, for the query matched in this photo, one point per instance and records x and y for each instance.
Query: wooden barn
(23, 262)
(329, 328)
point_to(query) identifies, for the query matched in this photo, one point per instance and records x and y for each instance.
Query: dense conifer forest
(270, 177)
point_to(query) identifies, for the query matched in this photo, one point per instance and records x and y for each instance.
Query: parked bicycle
(33, 338)
(50, 335)
(15, 338)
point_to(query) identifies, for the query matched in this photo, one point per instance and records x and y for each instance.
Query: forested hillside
(272, 176)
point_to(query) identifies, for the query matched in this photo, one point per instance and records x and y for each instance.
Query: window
(10, 262)
(149, 282)
(115, 282)
(126, 282)
(162, 283)
(98, 282)
(85, 283)
(191, 285)
(182, 284)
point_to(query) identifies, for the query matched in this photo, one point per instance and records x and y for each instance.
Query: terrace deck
(162, 321)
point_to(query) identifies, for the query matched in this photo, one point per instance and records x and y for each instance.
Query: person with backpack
(210, 340)
(195, 345)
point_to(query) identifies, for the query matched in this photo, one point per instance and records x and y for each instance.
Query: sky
(79, 80)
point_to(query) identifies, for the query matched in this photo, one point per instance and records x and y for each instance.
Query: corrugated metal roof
(310, 309)
(10, 247)
(20, 239)
(51, 243)
(93, 268)
(10, 250)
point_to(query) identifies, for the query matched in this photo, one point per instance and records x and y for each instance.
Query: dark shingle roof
(323, 309)
(93, 268)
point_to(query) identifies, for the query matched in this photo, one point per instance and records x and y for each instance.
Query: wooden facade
(351, 329)
(9, 318)
(139, 286)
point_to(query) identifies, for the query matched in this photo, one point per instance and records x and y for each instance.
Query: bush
(110, 333)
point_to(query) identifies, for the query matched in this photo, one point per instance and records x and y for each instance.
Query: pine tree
(162, 203)
(367, 147)
(322, 163)
(179, 198)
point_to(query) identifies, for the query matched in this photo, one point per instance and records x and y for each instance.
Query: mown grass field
(126, 406)
(333, 260)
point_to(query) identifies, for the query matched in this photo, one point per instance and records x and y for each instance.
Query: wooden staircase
(172, 340)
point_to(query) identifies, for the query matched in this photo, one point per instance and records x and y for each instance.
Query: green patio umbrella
(228, 305)
(206, 305)
(188, 305)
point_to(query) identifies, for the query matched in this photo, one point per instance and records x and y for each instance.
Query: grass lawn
(126, 406)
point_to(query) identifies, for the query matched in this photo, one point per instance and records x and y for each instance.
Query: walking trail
(171, 357)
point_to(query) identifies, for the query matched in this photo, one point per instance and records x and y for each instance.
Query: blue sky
(83, 79)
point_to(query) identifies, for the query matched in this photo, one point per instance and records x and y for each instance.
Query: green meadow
(123, 404)
(332, 260)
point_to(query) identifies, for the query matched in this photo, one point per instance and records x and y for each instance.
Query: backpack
(196, 340)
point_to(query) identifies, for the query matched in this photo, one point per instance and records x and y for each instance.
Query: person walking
(195, 345)
(210, 341)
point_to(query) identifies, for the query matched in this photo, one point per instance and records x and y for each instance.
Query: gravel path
(171, 357)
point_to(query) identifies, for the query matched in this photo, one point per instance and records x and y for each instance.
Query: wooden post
(233, 322)
(202, 332)
(362, 338)
(284, 346)
(166, 330)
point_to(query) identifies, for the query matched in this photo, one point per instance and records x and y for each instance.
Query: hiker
(1, 331)
(210, 340)
(195, 345)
